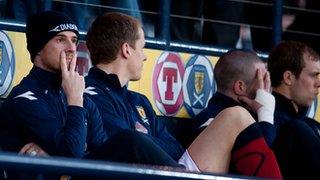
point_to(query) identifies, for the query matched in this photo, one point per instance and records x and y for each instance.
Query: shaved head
(235, 65)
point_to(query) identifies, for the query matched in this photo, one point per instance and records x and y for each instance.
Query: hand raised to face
(264, 83)
(72, 83)
(264, 102)
(264, 80)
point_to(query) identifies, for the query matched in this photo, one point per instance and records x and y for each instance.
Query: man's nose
(70, 45)
(317, 83)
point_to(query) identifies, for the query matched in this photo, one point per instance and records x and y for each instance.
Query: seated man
(239, 75)
(294, 70)
(48, 107)
(116, 43)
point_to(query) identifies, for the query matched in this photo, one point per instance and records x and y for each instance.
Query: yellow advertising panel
(15, 60)
(153, 75)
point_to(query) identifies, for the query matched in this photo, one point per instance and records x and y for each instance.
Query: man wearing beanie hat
(49, 108)
(43, 27)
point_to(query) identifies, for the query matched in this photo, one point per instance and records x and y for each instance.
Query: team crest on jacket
(198, 84)
(167, 83)
(142, 114)
(7, 65)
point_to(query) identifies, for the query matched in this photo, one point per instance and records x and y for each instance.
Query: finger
(245, 100)
(77, 69)
(63, 64)
(260, 79)
(42, 153)
(73, 63)
(31, 152)
(25, 148)
(39, 151)
(267, 82)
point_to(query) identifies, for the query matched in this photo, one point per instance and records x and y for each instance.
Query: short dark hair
(235, 65)
(107, 34)
(288, 56)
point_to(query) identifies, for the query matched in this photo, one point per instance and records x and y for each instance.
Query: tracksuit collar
(286, 105)
(46, 78)
(106, 78)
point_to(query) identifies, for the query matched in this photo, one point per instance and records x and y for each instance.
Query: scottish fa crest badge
(198, 84)
(7, 63)
(142, 114)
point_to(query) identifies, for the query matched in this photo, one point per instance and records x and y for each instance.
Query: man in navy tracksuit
(294, 70)
(125, 109)
(234, 83)
(116, 43)
(49, 108)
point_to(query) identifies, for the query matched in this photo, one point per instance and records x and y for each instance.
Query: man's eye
(74, 41)
(60, 40)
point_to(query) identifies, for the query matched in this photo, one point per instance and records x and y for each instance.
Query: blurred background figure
(21, 9)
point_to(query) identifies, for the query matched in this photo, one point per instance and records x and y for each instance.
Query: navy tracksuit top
(36, 110)
(285, 112)
(297, 143)
(125, 109)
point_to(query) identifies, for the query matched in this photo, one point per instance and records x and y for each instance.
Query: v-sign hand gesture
(72, 83)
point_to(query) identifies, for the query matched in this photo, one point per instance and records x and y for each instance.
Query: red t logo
(170, 76)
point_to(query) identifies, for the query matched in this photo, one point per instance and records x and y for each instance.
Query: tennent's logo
(167, 83)
(7, 65)
(198, 84)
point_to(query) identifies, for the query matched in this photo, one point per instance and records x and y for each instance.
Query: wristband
(265, 112)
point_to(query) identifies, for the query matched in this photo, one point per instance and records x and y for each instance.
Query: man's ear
(239, 88)
(288, 78)
(125, 50)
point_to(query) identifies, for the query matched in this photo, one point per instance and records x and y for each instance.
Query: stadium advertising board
(177, 84)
